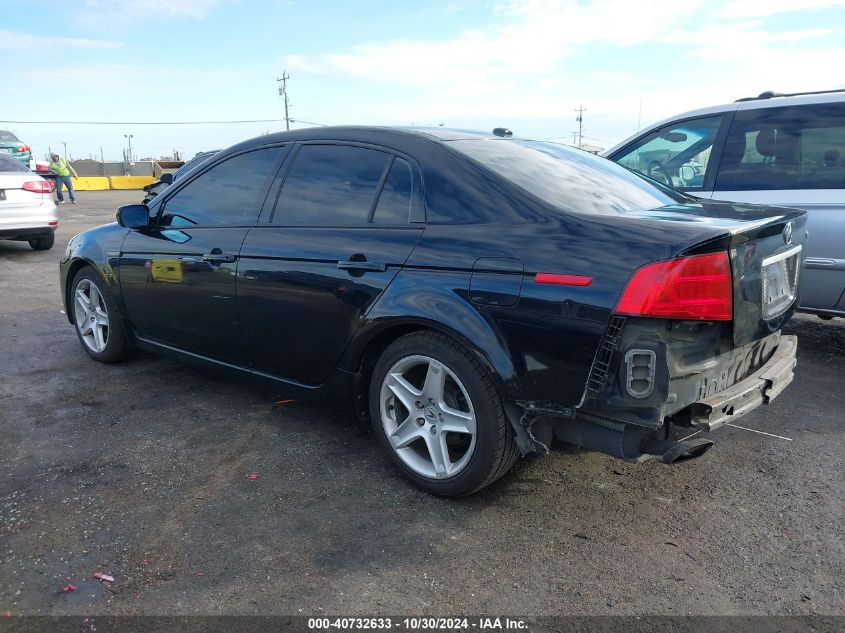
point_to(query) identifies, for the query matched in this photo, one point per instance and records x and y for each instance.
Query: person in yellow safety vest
(63, 170)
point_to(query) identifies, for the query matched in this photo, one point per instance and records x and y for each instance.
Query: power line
(141, 122)
(309, 122)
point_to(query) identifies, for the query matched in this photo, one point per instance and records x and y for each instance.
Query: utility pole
(128, 154)
(283, 91)
(580, 118)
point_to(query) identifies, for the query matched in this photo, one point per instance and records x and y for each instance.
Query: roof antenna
(503, 132)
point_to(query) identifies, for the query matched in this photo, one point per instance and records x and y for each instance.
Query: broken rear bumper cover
(604, 432)
(761, 387)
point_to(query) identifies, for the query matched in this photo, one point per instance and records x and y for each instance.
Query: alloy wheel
(92, 316)
(428, 417)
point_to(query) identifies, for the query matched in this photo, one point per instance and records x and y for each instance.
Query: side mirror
(674, 137)
(134, 216)
(167, 178)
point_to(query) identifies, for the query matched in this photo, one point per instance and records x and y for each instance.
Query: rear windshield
(7, 137)
(569, 178)
(10, 163)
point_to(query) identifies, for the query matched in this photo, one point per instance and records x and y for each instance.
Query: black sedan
(475, 296)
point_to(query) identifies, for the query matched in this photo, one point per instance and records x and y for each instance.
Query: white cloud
(740, 41)
(763, 8)
(532, 37)
(15, 40)
(152, 8)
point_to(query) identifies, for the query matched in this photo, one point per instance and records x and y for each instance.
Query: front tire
(97, 319)
(43, 243)
(436, 411)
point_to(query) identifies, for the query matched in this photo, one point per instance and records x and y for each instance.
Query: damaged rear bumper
(635, 442)
(761, 387)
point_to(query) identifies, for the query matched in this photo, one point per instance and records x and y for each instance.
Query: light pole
(65, 144)
(128, 137)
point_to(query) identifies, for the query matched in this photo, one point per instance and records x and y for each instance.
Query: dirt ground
(139, 470)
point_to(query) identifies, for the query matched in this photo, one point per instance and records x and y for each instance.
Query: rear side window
(397, 195)
(799, 147)
(10, 163)
(567, 178)
(675, 155)
(331, 185)
(230, 193)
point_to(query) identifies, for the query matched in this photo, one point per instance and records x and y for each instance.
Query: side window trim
(716, 150)
(182, 183)
(380, 188)
(268, 213)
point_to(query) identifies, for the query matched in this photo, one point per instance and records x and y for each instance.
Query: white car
(27, 210)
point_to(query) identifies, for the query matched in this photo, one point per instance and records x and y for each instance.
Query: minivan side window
(675, 155)
(331, 185)
(794, 147)
(227, 194)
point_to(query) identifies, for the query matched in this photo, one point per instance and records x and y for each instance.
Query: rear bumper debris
(761, 387)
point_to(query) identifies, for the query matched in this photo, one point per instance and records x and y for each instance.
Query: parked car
(772, 149)
(474, 295)
(11, 144)
(167, 179)
(27, 210)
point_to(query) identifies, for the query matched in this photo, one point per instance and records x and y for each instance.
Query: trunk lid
(766, 246)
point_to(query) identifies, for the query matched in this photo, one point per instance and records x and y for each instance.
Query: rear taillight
(23, 148)
(696, 288)
(37, 186)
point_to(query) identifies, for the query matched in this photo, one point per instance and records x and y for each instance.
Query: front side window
(798, 147)
(230, 193)
(331, 185)
(675, 155)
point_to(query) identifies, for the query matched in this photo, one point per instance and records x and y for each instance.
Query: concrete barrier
(130, 182)
(90, 183)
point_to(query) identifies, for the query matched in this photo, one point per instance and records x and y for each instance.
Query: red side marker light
(562, 280)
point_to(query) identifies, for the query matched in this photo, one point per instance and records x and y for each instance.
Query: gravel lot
(139, 470)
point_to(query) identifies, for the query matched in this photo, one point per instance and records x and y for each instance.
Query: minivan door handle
(217, 255)
(359, 262)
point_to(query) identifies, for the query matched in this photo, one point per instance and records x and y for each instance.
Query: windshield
(8, 137)
(569, 178)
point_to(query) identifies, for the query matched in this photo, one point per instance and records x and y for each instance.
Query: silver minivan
(778, 149)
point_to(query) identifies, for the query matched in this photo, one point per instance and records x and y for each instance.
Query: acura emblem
(787, 233)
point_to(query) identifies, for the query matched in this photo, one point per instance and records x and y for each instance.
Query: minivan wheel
(44, 243)
(439, 416)
(97, 318)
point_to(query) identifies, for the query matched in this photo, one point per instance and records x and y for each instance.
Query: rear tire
(437, 412)
(43, 243)
(97, 318)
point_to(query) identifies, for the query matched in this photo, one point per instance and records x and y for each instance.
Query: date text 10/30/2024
(418, 623)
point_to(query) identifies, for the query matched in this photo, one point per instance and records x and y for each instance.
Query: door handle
(359, 262)
(217, 255)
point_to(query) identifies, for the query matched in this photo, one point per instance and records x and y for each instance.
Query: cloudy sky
(524, 64)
